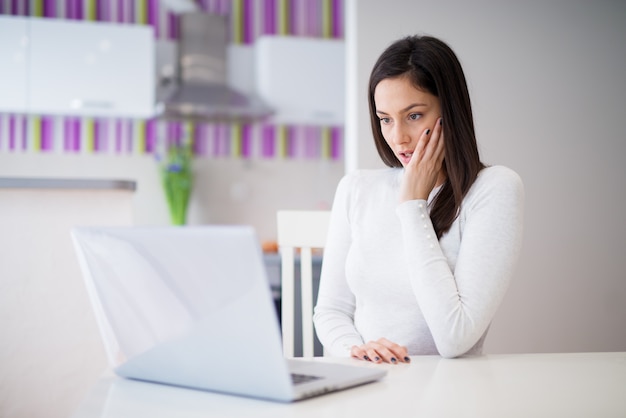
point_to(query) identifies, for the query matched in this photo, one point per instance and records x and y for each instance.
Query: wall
(548, 90)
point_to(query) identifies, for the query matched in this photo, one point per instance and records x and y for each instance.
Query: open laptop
(192, 307)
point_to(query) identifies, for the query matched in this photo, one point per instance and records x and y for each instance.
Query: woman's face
(405, 112)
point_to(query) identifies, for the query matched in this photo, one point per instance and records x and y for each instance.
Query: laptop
(192, 307)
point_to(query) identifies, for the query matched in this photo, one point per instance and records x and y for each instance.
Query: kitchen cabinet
(302, 79)
(78, 68)
(13, 63)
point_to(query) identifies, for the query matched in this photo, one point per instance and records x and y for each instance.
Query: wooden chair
(302, 230)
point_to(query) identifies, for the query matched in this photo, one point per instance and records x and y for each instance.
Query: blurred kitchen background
(88, 110)
(244, 170)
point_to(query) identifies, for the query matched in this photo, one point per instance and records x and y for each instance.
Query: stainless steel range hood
(201, 92)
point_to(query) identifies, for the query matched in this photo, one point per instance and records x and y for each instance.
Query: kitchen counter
(65, 183)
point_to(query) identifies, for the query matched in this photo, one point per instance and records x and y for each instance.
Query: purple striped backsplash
(248, 19)
(268, 141)
(246, 141)
(269, 18)
(291, 146)
(12, 134)
(210, 140)
(24, 136)
(73, 10)
(289, 17)
(46, 133)
(76, 134)
(49, 8)
(151, 136)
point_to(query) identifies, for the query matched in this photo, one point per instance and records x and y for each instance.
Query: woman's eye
(414, 116)
(384, 120)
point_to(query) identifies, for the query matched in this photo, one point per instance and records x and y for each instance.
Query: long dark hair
(433, 67)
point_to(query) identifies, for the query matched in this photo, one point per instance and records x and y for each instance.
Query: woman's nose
(400, 134)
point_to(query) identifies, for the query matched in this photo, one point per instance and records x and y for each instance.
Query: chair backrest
(303, 230)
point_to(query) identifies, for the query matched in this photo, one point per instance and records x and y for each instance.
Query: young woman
(419, 255)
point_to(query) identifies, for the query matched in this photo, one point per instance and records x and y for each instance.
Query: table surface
(507, 385)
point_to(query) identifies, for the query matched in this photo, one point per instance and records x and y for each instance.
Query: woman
(419, 255)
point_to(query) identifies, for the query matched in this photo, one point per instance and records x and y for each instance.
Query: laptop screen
(182, 305)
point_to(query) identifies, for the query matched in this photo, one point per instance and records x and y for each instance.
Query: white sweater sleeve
(334, 312)
(459, 305)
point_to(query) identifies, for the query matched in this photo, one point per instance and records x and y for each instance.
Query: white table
(513, 385)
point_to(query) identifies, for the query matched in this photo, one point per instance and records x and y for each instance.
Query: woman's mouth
(405, 157)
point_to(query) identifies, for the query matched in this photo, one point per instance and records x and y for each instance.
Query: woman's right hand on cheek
(381, 351)
(422, 171)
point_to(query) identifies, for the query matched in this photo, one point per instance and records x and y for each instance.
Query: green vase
(176, 176)
(177, 186)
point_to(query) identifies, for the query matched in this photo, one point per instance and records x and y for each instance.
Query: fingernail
(407, 359)
(377, 358)
(427, 131)
(440, 121)
(393, 359)
(366, 358)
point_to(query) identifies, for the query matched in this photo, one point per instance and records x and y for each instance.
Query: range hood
(201, 92)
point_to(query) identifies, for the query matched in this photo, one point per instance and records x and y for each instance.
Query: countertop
(66, 183)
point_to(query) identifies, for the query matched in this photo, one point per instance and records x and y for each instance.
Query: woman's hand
(423, 171)
(381, 350)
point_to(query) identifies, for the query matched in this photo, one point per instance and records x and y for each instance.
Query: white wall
(548, 85)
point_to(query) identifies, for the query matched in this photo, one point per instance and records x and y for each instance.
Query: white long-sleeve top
(385, 274)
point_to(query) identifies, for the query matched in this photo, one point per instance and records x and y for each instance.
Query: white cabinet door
(13, 64)
(90, 69)
(302, 78)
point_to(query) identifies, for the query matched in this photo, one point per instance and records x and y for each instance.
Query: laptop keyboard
(302, 378)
